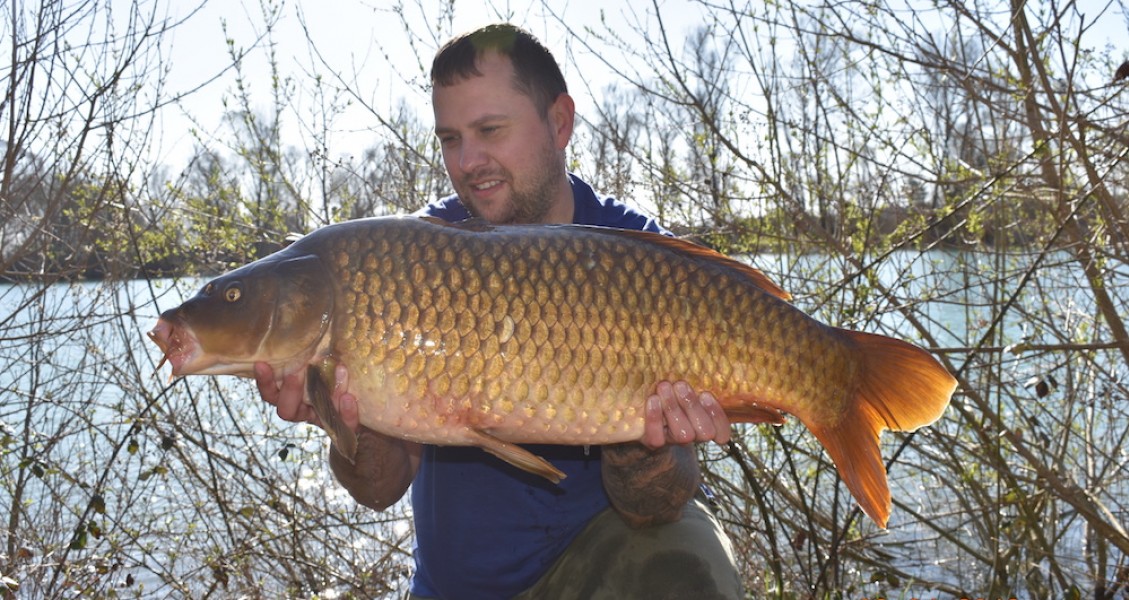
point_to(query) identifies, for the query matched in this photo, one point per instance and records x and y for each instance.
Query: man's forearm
(385, 467)
(650, 487)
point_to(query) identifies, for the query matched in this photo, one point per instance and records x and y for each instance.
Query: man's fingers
(700, 420)
(654, 433)
(679, 429)
(690, 416)
(291, 405)
(343, 401)
(717, 416)
(349, 411)
(340, 379)
(264, 379)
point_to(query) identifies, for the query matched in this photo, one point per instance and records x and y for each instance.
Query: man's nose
(472, 155)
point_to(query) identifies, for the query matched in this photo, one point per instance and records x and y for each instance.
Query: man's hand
(384, 466)
(675, 414)
(650, 482)
(289, 397)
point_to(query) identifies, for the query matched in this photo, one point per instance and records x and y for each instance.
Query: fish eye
(232, 293)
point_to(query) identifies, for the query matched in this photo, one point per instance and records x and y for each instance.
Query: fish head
(275, 310)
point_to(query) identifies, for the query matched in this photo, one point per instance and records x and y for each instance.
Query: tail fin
(900, 387)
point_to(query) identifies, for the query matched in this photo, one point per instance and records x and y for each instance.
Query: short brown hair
(536, 73)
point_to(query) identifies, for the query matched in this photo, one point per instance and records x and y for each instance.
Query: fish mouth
(178, 345)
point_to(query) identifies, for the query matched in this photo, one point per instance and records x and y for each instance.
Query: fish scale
(567, 363)
(492, 336)
(679, 321)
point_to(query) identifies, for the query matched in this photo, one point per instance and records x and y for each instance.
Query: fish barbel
(490, 336)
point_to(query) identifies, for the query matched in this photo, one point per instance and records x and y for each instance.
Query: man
(623, 524)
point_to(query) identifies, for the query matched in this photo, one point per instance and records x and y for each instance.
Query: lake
(119, 482)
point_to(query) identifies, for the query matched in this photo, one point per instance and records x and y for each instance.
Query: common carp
(490, 336)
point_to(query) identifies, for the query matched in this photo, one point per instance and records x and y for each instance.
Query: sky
(367, 45)
(381, 50)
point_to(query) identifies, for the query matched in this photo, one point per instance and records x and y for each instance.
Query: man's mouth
(485, 185)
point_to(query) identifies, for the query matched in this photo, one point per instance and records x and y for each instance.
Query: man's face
(505, 161)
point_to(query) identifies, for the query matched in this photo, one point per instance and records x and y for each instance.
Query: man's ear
(562, 117)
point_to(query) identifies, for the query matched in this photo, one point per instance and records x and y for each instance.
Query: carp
(493, 336)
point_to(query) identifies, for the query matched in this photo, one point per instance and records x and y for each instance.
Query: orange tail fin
(901, 387)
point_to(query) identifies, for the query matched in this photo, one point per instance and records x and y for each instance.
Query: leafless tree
(954, 174)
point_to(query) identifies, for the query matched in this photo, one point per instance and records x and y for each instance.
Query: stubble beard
(529, 203)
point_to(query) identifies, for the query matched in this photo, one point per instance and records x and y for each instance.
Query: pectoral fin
(516, 456)
(319, 393)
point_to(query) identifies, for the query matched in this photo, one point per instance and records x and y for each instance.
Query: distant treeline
(206, 232)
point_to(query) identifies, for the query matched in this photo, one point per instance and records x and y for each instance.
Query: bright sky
(362, 40)
(368, 44)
